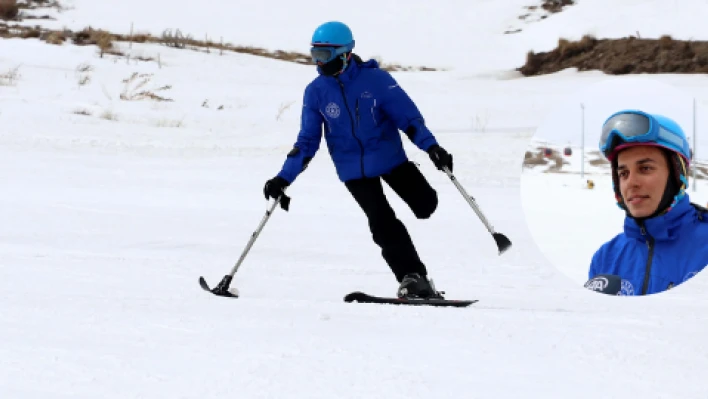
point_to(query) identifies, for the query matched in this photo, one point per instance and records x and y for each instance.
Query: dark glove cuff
(281, 181)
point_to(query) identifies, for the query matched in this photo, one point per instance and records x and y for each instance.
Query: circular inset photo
(615, 189)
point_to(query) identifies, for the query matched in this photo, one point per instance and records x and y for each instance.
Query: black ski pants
(387, 231)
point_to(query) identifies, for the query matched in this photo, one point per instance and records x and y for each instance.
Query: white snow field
(113, 205)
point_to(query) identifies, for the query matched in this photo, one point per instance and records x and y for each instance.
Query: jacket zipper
(647, 271)
(372, 113)
(358, 118)
(346, 104)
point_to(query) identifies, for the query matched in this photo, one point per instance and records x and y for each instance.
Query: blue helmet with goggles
(630, 128)
(331, 40)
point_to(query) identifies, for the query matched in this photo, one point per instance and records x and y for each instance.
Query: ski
(362, 297)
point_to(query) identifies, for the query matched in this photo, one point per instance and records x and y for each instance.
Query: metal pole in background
(694, 145)
(582, 141)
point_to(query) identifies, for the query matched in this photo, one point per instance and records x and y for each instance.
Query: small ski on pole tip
(503, 243)
(222, 289)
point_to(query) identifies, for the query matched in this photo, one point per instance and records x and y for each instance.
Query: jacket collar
(664, 227)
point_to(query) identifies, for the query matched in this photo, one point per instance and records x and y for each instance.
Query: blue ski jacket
(663, 252)
(361, 110)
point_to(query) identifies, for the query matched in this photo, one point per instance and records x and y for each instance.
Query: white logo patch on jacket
(332, 110)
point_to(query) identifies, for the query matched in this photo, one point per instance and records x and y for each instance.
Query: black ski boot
(413, 286)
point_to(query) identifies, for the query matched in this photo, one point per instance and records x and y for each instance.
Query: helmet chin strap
(345, 61)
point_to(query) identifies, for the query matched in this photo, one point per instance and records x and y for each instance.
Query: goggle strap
(670, 137)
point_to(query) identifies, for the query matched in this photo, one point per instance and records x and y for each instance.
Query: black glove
(275, 188)
(440, 157)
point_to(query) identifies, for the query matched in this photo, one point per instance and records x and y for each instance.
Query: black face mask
(333, 67)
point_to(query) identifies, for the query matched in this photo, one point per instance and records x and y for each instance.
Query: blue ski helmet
(334, 34)
(629, 128)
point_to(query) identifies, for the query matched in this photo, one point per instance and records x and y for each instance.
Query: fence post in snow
(582, 141)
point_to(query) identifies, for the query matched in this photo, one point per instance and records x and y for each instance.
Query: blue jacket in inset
(361, 111)
(667, 251)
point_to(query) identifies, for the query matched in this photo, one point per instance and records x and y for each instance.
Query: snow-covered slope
(113, 204)
(648, 19)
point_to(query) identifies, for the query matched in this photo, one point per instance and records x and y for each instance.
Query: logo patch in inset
(332, 110)
(627, 288)
(689, 275)
(597, 284)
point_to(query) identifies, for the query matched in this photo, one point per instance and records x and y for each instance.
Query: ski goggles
(324, 54)
(628, 127)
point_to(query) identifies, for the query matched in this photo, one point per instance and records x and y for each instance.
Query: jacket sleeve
(405, 114)
(308, 140)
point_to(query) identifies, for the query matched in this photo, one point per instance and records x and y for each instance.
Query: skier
(665, 238)
(362, 108)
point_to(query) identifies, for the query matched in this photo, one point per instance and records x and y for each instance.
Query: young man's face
(643, 173)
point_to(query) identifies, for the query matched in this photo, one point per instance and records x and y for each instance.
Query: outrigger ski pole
(223, 288)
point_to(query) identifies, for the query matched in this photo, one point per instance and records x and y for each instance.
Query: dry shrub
(109, 115)
(598, 162)
(140, 38)
(665, 42)
(554, 6)
(532, 159)
(172, 123)
(701, 172)
(83, 112)
(144, 58)
(558, 164)
(176, 40)
(10, 77)
(568, 48)
(8, 9)
(134, 91)
(103, 40)
(31, 33)
(283, 107)
(55, 38)
(629, 55)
